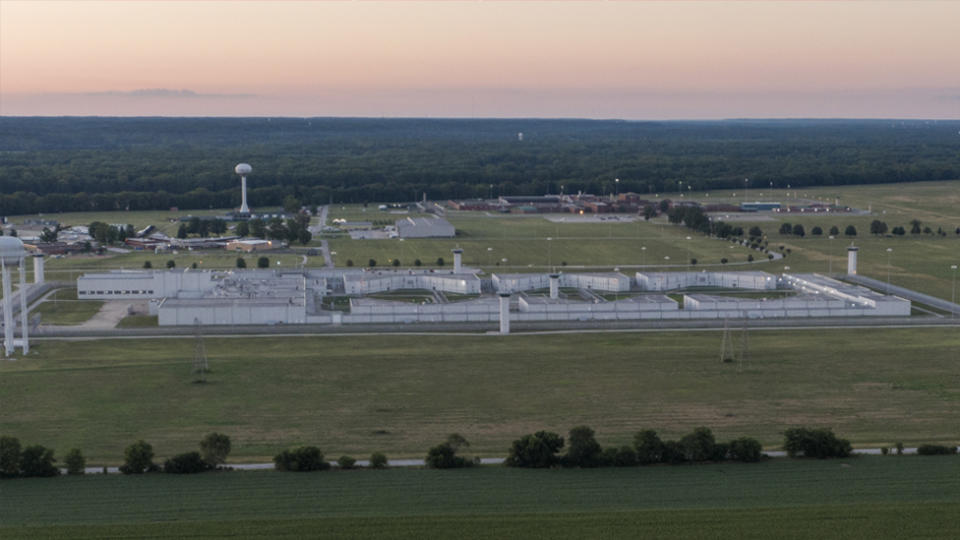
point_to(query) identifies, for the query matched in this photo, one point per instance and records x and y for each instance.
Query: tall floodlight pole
(24, 337)
(953, 291)
(830, 259)
(889, 252)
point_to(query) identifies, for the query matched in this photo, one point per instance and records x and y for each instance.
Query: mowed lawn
(402, 394)
(865, 497)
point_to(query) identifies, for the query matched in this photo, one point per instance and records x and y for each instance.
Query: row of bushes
(540, 450)
(536, 450)
(310, 458)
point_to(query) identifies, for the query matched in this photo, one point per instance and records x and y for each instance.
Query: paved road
(324, 245)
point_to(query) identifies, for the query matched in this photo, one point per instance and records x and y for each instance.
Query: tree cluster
(540, 450)
(815, 443)
(111, 164)
(26, 462)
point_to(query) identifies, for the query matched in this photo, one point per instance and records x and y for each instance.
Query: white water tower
(13, 254)
(243, 169)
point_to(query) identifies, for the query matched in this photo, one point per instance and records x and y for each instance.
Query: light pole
(549, 252)
(953, 291)
(489, 254)
(643, 251)
(689, 260)
(616, 187)
(746, 186)
(889, 252)
(830, 258)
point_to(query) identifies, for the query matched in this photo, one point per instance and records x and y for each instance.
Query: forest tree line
(106, 164)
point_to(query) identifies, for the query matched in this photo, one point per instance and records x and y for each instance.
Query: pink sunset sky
(632, 60)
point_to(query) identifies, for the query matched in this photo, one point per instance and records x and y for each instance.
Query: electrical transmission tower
(727, 353)
(200, 366)
(744, 345)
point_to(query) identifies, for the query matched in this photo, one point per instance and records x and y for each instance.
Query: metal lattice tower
(727, 353)
(200, 366)
(744, 345)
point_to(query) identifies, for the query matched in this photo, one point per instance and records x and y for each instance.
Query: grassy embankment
(402, 394)
(866, 497)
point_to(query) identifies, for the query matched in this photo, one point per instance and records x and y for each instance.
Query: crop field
(865, 497)
(401, 394)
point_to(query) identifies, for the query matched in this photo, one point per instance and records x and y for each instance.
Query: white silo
(12, 253)
(504, 313)
(852, 260)
(457, 260)
(243, 169)
(38, 268)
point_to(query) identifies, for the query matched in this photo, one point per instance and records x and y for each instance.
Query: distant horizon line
(501, 118)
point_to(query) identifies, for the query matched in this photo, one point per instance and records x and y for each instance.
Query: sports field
(865, 497)
(402, 394)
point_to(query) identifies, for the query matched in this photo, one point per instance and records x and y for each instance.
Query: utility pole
(200, 366)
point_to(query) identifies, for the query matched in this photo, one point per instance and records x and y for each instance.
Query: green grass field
(63, 308)
(402, 394)
(865, 497)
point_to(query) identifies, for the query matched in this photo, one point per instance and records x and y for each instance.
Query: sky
(618, 59)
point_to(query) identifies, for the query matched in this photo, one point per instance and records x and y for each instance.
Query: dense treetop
(73, 164)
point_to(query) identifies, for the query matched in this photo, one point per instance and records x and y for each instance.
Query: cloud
(163, 93)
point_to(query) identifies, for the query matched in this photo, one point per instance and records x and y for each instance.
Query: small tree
(346, 462)
(701, 446)
(816, 231)
(786, 228)
(9, 457)
(37, 460)
(171, 264)
(372, 263)
(75, 462)
(915, 226)
(395, 262)
(188, 463)
(799, 231)
(147, 264)
(745, 449)
(378, 460)
(349, 262)
(263, 262)
(418, 262)
(443, 456)
(834, 230)
(138, 458)
(182, 231)
(243, 229)
(535, 451)
(649, 447)
(584, 450)
(215, 448)
(878, 227)
(815, 443)
(756, 232)
(440, 261)
(302, 459)
(241, 262)
(850, 230)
